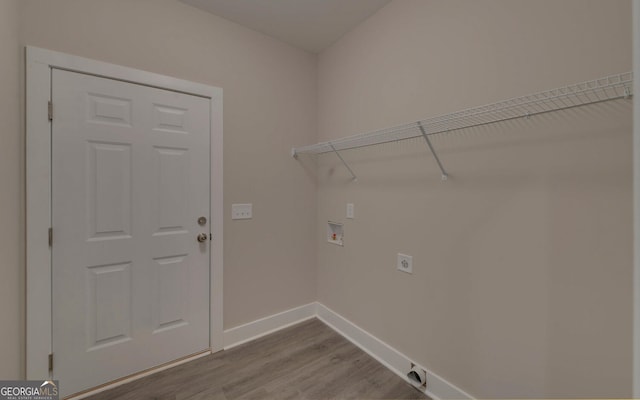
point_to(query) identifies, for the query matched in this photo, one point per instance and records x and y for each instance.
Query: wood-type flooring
(305, 361)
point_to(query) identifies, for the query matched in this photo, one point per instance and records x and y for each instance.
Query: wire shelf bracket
(355, 178)
(444, 175)
(608, 88)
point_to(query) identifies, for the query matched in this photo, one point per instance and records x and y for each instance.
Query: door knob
(202, 237)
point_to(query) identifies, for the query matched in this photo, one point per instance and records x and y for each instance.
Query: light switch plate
(350, 211)
(242, 211)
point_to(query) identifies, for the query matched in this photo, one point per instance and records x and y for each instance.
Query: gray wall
(522, 283)
(12, 303)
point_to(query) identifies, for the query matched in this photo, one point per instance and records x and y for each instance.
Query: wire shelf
(596, 91)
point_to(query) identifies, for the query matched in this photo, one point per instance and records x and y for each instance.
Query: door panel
(109, 190)
(170, 292)
(108, 308)
(172, 176)
(130, 177)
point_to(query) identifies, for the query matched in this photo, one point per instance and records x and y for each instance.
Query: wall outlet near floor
(242, 211)
(405, 263)
(417, 376)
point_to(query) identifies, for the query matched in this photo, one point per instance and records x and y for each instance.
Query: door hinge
(50, 237)
(50, 110)
(51, 362)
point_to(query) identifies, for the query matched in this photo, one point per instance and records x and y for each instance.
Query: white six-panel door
(130, 179)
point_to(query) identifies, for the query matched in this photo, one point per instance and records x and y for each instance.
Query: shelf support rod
(433, 151)
(355, 178)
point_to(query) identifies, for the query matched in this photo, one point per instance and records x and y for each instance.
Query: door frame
(39, 63)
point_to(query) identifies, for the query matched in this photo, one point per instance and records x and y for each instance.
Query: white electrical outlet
(405, 263)
(241, 211)
(350, 211)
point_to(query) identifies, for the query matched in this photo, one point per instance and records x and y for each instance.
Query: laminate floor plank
(307, 361)
(282, 364)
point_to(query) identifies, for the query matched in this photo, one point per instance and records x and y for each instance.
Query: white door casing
(40, 64)
(130, 179)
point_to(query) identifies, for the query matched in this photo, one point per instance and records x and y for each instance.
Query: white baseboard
(264, 326)
(437, 387)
